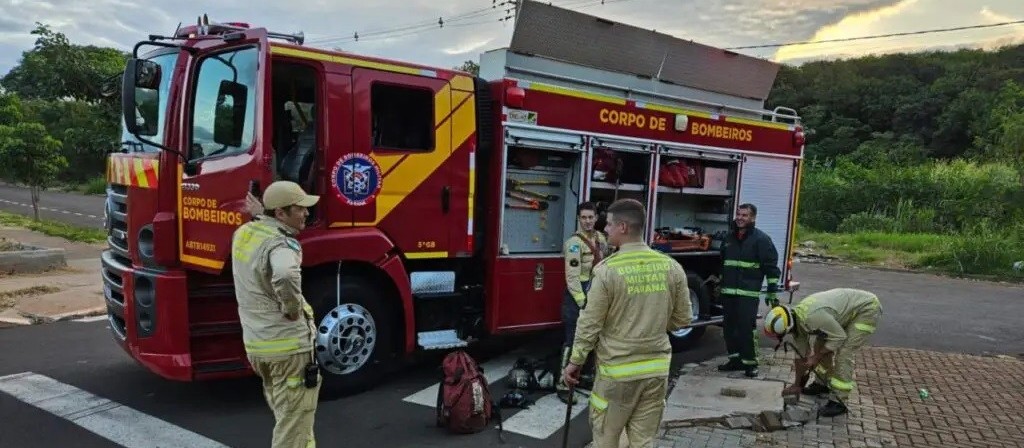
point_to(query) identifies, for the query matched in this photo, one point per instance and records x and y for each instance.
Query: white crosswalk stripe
(540, 420)
(113, 421)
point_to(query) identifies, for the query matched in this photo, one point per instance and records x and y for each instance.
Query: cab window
(224, 107)
(402, 117)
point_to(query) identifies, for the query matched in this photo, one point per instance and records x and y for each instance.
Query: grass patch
(986, 253)
(96, 185)
(896, 250)
(53, 228)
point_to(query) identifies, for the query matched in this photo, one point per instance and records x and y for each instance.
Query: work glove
(771, 300)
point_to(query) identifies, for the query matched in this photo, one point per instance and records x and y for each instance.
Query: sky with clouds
(408, 29)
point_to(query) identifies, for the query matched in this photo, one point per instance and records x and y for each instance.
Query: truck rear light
(515, 97)
(798, 137)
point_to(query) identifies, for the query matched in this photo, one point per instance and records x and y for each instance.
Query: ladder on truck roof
(568, 49)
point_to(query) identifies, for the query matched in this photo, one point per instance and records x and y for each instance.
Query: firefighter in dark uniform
(748, 256)
(582, 251)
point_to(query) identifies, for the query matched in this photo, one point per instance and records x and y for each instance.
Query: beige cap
(283, 193)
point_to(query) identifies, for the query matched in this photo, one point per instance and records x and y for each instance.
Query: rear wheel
(699, 304)
(355, 337)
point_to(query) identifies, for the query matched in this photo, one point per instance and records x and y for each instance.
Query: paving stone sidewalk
(971, 401)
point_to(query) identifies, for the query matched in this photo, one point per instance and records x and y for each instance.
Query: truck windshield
(152, 105)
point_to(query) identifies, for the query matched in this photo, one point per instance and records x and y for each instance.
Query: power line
(453, 22)
(878, 36)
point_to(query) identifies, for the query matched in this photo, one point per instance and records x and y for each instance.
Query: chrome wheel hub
(345, 339)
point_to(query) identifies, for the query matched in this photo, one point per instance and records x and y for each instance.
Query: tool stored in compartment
(531, 204)
(513, 185)
(667, 239)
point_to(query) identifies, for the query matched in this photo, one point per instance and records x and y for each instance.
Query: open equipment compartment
(694, 200)
(619, 170)
(540, 192)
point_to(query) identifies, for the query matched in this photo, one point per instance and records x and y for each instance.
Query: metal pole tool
(568, 415)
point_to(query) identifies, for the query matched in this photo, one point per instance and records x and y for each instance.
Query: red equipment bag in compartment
(605, 165)
(673, 174)
(694, 174)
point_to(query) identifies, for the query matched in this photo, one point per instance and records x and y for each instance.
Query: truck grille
(117, 221)
(116, 261)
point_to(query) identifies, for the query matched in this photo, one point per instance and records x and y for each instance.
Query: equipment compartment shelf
(599, 185)
(695, 191)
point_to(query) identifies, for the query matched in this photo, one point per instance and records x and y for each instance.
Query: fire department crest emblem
(357, 179)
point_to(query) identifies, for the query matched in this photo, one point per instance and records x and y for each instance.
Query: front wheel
(699, 299)
(355, 339)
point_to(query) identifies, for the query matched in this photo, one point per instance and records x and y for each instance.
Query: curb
(33, 318)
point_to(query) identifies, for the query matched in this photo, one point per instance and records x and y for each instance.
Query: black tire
(700, 297)
(371, 354)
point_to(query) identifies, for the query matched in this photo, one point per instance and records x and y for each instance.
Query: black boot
(733, 365)
(815, 389)
(750, 371)
(832, 409)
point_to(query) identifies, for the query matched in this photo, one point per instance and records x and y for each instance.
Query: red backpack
(464, 402)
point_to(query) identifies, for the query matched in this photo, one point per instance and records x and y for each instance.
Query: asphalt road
(921, 311)
(71, 208)
(233, 413)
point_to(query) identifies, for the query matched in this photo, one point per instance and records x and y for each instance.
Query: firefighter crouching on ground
(842, 319)
(277, 323)
(636, 297)
(748, 256)
(582, 251)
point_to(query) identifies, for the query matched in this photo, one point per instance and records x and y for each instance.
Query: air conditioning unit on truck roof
(446, 197)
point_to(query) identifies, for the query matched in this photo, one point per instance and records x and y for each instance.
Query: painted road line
(494, 370)
(544, 417)
(91, 318)
(113, 421)
(51, 209)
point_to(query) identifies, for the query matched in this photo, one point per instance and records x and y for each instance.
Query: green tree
(56, 69)
(469, 67)
(31, 157)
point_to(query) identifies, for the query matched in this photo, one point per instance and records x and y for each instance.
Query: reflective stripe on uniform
(249, 238)
(820, 370)
(867, 328)
(597, 402)
(273, 346)
(743, 264)
(741, 292)
(633, 257)
(773, 280)
(630, 369)
(293, 381)
(839, 384)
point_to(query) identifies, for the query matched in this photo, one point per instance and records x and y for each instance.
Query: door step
(440, 339)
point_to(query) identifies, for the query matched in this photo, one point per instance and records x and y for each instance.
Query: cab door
(397, 175)
(223, 144)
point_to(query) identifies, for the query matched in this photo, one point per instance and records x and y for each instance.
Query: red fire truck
(446, 196)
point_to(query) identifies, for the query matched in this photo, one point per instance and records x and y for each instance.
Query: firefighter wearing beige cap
(277, 323)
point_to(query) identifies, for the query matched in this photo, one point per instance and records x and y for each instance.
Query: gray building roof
(573, 37)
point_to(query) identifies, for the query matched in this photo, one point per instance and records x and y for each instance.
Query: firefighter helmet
(778, 321)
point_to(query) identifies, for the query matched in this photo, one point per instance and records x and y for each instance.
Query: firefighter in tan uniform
(638, 295)
(582, 251)
(277, 323)
(841, 319)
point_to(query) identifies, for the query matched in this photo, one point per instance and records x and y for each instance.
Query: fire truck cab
(445, 196)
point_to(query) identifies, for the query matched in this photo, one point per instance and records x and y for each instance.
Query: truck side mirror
(140, 96)
(229, 118)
